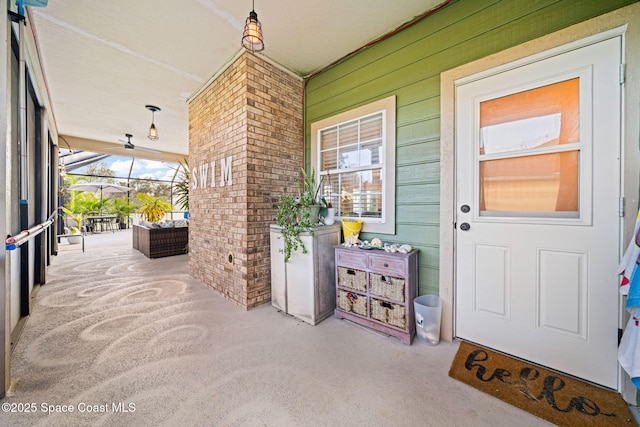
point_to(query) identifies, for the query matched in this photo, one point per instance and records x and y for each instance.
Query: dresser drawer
(388, 287)
(389, 313)
(387, 266)
(352, 278)
(352, 259)
(352, 302)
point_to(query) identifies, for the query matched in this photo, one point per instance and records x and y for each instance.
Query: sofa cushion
(148, 224)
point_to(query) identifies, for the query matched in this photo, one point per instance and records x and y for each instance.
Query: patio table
(103, 222)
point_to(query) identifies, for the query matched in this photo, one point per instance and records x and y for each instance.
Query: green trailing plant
(153, 209)
(298, 215)
(292, 221)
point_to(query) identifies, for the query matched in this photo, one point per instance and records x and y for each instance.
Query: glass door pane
(530, 185)
(529, 152)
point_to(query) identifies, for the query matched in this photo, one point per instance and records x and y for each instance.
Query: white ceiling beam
(95, 146)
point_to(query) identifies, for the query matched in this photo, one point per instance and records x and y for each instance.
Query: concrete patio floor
(125, 340)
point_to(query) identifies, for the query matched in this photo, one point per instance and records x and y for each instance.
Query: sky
(142, 168)
(151, 169)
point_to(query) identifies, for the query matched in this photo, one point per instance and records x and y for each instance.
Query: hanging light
(252, 35)
(153, 132)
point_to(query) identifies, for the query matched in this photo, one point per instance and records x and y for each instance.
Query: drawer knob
(386, 264)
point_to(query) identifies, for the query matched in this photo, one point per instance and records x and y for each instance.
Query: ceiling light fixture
(252, 35)
(153, 132)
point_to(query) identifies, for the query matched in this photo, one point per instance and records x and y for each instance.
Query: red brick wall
(253, 112)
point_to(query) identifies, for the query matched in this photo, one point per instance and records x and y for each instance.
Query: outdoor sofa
(157, 240)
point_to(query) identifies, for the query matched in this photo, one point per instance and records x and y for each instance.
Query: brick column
(245, 150)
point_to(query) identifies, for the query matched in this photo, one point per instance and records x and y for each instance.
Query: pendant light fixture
(153, 132)
(252, 36)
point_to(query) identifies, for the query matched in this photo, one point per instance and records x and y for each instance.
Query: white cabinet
(304, 287)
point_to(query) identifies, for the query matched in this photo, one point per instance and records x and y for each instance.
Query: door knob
(465, 226)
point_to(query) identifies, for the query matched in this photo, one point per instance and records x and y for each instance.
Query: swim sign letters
(204, 175)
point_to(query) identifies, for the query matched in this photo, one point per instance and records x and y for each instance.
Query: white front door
(537, 210)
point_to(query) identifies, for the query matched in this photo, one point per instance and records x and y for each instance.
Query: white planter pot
(304, 287)
(75, 239)
(330, 217)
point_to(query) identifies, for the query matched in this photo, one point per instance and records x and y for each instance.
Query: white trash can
(428, 311)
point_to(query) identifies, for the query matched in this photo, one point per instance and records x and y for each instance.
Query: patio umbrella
(102, 187)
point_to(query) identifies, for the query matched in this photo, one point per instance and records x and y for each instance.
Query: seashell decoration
(405, 249)
(353, 241)
(377, 243)
(393, 248)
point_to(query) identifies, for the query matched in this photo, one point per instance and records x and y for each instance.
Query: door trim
(623, 22)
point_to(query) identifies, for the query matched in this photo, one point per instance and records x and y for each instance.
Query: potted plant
(309, 201)
(291, 222)
(327, 212)
(153, 209)
(302, 266)
(298, 215)
(122, 208)
(74, 233)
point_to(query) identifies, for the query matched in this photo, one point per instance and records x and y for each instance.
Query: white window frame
(387, 223)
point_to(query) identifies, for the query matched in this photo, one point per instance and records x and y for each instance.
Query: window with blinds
(354, 154)
(352, 162)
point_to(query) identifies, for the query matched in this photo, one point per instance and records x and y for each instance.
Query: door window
(529, 152)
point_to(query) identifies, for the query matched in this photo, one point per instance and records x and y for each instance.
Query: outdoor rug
(557, 398)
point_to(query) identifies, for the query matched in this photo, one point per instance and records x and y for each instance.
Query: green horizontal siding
(421, 149)
(419, 173)
(428, 130)
(408, 65)
(416, 194)
(425, 213)
(429, 277)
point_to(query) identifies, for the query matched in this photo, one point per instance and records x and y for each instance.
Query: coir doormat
(559, 399)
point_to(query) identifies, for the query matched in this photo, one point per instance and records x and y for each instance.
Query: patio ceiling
(104, 61)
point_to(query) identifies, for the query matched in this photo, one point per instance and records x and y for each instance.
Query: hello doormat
(559, 399)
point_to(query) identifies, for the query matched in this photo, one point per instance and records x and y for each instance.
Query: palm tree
(152, 208)
(181, 188)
